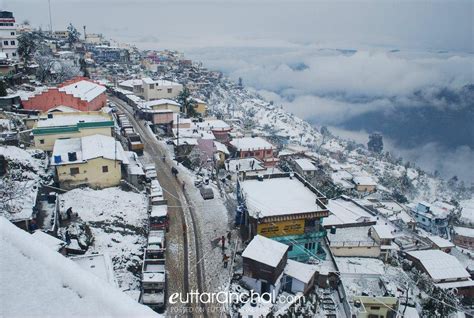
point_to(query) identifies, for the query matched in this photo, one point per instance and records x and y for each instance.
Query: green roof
(72, 128)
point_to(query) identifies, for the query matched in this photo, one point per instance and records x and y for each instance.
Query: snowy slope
(37, 281)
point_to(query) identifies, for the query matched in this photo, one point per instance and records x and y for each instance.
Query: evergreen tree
(83, 68)
(26, 47)
(3, 89)
(187, 103)
(375, 143)
(73, 34)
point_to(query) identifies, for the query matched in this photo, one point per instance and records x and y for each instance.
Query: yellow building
(200, 107)
(59, 125)
(383, 307)
(94, 161)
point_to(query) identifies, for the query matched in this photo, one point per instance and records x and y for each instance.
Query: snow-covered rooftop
(383, 231)
(244, 164)
(157, 102)
(87, 148)
(84, 90)
(251, 143)
(39, 281)
(265, 251)
(212, 124)
(301, 271)
(464, 231)
(131, 82)
(359, 265)
(98, 264)
(70, 120)
(440, 265)
(221, 147)
(344, 211)
(364, 181)
(305, 164)
(440, 242)
(148, 80)
(278, 196)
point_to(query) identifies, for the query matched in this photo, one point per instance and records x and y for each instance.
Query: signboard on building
(293, 227)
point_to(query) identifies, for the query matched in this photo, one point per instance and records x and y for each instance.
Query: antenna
(50, 19)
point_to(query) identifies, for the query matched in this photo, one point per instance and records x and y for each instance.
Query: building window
(152, 86)
(5, 42)
(74, 171)
(42, 141)
(12, 42)
(105, 169)
(170, 90)
(12, 33)
(14, 54)
(269, 152)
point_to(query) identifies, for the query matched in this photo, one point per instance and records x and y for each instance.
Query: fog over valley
(402, 68)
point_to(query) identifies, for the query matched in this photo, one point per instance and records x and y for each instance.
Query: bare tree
(54, 70)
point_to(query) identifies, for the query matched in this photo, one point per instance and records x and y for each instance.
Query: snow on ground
(117, 220)
(37, 281)
(27, 169)
(212, 222)
(467, 213)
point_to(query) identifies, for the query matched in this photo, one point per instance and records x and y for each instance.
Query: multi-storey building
(285, 208)
(8, 35)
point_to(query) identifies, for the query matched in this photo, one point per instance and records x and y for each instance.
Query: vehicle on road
(153, 283)
(135, 143)
(206, 193)
(150, 173)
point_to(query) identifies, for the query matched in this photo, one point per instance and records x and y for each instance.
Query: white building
(150, 89)
(305, 168)
(8, 35)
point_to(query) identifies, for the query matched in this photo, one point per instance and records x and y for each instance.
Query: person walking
(225, 260)
(223, 242)
(67, 237)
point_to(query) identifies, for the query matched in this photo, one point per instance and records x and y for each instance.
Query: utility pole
(85, 37)
(177, 137)
(50, 19)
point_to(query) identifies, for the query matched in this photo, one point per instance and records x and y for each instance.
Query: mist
(344, 64)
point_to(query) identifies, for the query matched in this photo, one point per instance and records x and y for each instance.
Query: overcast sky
(431, 25)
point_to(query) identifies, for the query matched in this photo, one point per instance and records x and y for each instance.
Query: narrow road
(183, 246)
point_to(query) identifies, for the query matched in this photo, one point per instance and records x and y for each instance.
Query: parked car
(206, 193)
(150, 173)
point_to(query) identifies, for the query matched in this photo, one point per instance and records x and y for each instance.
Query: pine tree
(26, 46)
(73, 34)
(3, 89)
(187, 103)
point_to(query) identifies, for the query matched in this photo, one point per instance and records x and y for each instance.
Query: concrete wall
(159, 92)
(90, 173)
(162, 118)
(174, 108)
(356, 251)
